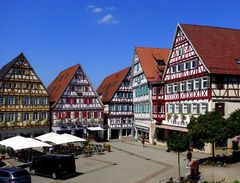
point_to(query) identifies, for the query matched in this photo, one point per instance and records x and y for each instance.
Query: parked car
(54, 165)
(14, 175)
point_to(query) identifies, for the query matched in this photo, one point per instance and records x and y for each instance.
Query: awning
(95, 128)
(47, 136)
(65, 138)
(19, 142)
(174, 128)
(143, 129)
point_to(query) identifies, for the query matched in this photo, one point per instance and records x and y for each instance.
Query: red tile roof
(59, 84)
(218, 47)
(148, 58)
(110, 84)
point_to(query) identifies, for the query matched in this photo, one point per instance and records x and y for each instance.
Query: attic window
(238, 60)
(160, 62)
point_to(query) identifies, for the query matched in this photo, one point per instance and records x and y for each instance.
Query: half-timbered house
(203, 73)
(74, 102)
(24, 101)
(148, 93)
(116, 94)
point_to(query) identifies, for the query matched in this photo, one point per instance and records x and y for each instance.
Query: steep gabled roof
(217, 47)
(60, 83)
(110, 84)
(148, 58)
(4, 70)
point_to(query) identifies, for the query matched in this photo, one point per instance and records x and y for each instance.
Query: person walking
(143, 140)
(189, 158)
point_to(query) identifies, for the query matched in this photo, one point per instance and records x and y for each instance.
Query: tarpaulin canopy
(95, 128)
(47, 136)
(19, 142)
(65, 138)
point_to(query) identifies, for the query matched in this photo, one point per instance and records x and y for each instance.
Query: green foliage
(3, 150)
(233, 126)
(236, 181)
(208, 128)
(178, 142)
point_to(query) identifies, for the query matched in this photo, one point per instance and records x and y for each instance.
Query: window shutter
(95, 114)
(84, 114)
(76, 114)
(68, 114)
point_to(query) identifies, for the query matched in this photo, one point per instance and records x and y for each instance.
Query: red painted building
(202, 74)
(74, 102)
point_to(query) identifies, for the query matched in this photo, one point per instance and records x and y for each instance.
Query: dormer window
(238, 60)
(160, 62)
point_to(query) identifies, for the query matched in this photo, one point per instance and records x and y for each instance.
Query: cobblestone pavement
(130, 163)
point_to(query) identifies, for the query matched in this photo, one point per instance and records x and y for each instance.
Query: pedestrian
(143, 140)
(189, 158)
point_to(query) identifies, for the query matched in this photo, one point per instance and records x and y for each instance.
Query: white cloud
(93, 9)
(108, 19)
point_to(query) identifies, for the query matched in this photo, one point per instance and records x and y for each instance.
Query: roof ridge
(216, 27)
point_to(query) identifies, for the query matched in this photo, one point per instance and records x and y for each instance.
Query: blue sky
(98, 34)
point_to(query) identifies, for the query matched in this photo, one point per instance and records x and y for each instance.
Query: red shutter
(73, 101)
(90, 101)
(68, 101)
(63, 115)
(102, 114)
(76, 114)
(85, 101)
(58, 115)
(95, 115)
(89, 115)
(84, 114)
(68, 114)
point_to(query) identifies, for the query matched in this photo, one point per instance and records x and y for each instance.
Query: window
(181, 51)
(187, 66)
(196, 84)
(187, 108)
(154, 90)
(177, 108)
(1, 100)
(173, 69)
(1, 117)
(155, 108)
(169, 88)
(204, 107)
(194, 108)
(179, 67)
(183, 86)
(26, 101)
(189, 85)
(194, 64)
(35, 116)
(25, 116)
(204, 83)
(11, 100)
(9, 116)
(171, 108)
(220, 108)
(35, 101)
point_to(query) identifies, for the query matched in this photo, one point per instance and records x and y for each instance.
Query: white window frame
(204, 80)
(189, 83)
(197, 82)
(187, 66)
(204, 108)
(26, 116)
(11, 100)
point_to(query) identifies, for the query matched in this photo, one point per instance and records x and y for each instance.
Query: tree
(233, 125)
(208, 128)
(178, 142)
